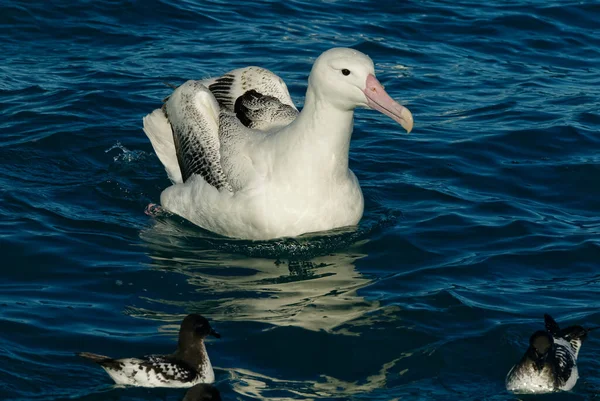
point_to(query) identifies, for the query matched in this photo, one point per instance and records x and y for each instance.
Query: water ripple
(476, 224)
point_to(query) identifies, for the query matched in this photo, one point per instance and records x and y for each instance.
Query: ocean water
(483, 219)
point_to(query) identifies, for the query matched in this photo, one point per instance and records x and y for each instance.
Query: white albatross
(246, 164)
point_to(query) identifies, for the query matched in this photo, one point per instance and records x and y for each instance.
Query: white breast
(524, 379)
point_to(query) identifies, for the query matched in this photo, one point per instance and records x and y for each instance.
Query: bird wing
(575, 336)
(189, 137)
(565, 360)
(194, 117)
(551, 326)
(169, 369)
(258, 97)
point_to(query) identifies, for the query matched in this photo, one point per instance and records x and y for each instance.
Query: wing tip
(551, 326)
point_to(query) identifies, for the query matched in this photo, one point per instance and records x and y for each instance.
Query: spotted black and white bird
(186, 367)
(202, 392)
(550, 362)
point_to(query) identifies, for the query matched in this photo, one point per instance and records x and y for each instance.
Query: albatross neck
(322, 133)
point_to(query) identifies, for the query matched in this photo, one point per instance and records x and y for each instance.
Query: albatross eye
(346, 71)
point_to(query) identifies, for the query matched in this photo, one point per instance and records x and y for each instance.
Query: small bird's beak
(213, 333)
(378, 99)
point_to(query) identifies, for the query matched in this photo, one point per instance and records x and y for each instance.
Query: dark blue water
(483, 219)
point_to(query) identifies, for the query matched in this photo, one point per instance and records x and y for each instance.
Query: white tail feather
(158, 130)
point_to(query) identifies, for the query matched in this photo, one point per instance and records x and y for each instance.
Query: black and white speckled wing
(169, 370)
(263, 112)
(258, 97)
(575, 336)
(564, 361)
(149, 371)
(193, 114)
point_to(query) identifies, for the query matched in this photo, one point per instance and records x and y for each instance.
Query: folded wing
(258, 97)
(187, 135)
(194, 116)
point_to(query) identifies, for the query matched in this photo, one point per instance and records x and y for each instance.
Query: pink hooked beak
(378, 99)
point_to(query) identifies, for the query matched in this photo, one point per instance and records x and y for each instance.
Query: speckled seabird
(550, 362)
(187, 366)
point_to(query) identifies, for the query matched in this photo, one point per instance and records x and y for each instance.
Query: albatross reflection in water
(316, 293)
(320, 294)
(316, 288)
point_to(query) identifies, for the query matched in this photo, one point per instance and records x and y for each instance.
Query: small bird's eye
(346, 71)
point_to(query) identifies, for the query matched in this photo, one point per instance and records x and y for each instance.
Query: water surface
(476, 224)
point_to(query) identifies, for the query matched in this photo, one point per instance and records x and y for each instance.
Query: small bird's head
(540, 345)
(195, 328)
(202, 392)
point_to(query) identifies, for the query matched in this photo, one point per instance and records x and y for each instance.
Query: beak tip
(407, 122)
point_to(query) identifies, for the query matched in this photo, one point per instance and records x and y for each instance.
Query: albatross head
(346, 78)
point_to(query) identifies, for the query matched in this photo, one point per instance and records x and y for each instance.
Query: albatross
(245, 163)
